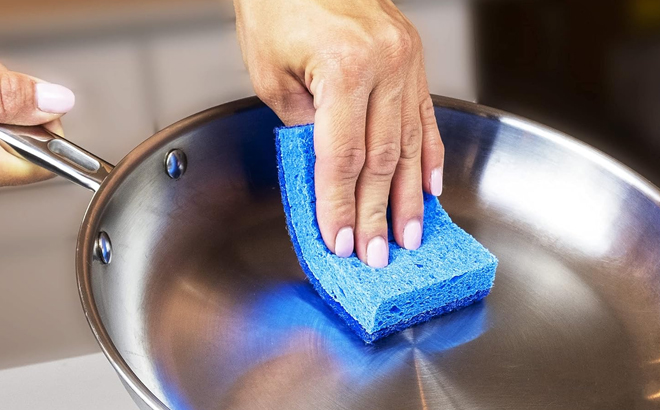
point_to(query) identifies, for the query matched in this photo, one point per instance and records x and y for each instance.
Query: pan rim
(90, 221)
(89, 226)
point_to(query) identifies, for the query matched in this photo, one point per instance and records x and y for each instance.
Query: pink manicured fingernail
(377, 252)
(412, 235)
(344, 242)
(54, 98)
(436, 182)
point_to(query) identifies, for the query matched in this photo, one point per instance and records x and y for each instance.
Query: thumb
(27, 101)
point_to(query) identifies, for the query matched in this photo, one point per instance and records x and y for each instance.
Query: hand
(25, 100)
(354, 68)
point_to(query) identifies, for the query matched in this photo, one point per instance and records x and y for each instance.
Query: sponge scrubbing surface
(448, 271)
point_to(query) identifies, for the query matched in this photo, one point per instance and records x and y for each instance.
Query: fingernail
(54, 98)
(436, 181)
(344, 242)
(377, 252)
(318, 93)
(412, 235)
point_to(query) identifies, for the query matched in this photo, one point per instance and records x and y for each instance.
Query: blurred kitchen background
(590, 68)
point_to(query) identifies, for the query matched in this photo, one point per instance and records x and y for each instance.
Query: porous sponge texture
(449, 270)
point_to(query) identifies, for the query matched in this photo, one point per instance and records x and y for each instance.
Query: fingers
(376, 139)
(55, 127)
(25, 101)
(407, 201)
(383, 144)
(433, 151)
(16, 171)
(339, 143)
(337, 104)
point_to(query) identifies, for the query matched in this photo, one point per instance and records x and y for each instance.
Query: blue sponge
(449, 271)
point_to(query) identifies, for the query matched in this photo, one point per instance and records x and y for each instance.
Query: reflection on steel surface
(204, 305)
(554, 196)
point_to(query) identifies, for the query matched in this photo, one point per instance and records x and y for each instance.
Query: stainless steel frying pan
(190, 285)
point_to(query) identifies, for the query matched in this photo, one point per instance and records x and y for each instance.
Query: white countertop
(78, 383)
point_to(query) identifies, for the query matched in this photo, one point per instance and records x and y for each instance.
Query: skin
(18, 106)
(355, 68)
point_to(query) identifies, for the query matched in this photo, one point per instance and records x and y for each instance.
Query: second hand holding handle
(52, 152)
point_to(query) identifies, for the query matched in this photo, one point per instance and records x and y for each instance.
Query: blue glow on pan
(280, 316)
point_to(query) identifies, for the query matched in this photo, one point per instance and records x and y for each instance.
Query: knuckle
(382, 159)
(356, 54)
(379, 213)
(398, 45)
(411, 140)
(347, 161)
(427, 111)
(13, 96)
(373, 216)
(353, 64)
(336, 208)
(343, 209)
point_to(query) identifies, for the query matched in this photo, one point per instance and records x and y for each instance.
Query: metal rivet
(175, 163)
(104, 248)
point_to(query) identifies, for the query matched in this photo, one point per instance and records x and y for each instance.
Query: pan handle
(54, 153)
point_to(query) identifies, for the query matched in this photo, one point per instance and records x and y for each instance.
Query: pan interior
(205, 301)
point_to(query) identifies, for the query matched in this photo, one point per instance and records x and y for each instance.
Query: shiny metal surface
(204, 305)
(56, 154)
(104, 248)
(175, 163)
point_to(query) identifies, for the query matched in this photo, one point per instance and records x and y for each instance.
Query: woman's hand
(25, 100)
(354, 68)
